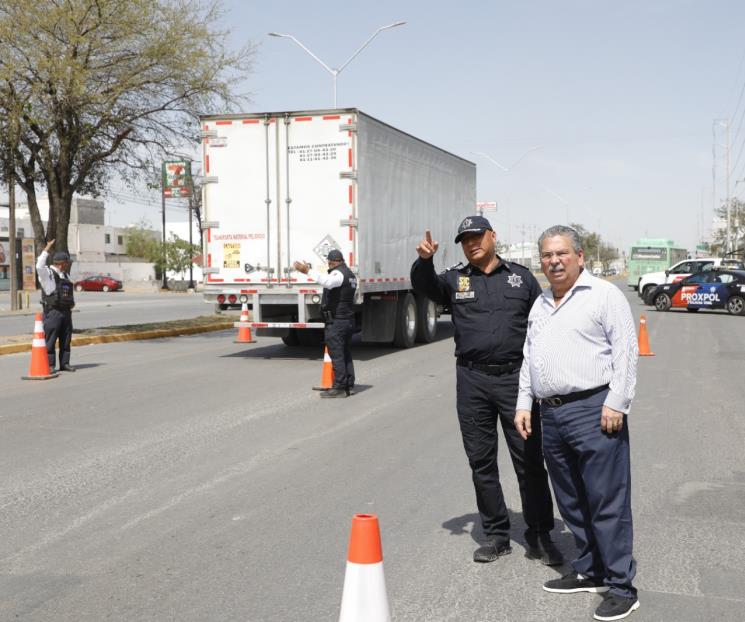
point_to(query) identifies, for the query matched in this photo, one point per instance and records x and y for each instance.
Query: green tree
(98, 86)
(737, 226)
(594, 246)
(179, 254)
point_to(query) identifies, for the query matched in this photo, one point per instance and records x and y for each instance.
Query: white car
(679, 271)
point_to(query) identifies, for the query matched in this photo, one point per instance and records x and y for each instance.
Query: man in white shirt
(579, 360)
(58, 301)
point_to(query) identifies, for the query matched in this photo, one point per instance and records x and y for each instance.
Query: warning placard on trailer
(231, 255)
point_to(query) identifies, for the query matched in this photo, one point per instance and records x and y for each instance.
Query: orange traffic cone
(244, 331)
(327, 374)
(644, 337)
(364, 598)
(39, 369)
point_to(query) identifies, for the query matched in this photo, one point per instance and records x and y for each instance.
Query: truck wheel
(662, 302)
(736, 305)
(406, 316)
(291, 339)
(310, 337)
(426, 320)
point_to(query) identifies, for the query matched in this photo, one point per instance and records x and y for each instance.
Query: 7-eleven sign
(176, 179)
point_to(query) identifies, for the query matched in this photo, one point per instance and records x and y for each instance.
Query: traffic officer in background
(339, 287)
(58, 300)
(490, 299)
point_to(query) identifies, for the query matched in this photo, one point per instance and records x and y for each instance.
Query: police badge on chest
(464, 289)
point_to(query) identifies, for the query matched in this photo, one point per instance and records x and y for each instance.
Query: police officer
(339, 287)
(489, 301)
(58, 301)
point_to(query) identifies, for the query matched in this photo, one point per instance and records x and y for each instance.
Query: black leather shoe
(334, 393)
(491, 550)
(542, 548)
(68, 367)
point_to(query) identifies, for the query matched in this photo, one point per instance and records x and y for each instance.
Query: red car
(98, 284)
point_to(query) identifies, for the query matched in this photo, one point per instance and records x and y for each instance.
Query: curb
(14, 348)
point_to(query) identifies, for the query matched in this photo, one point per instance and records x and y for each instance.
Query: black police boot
(542, 548)
(67, 367)
(491, 550)
(335, 393)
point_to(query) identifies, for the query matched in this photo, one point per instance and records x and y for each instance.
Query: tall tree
(101, 85)
(737, 228)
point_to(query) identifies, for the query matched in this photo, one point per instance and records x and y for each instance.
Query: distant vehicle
(98, 284)
(651, 255)
(681, 270)
(597, 271)
(709, 289)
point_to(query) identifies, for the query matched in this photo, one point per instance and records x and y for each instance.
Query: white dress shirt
(46, 278)
(328, 281)
(588, 341)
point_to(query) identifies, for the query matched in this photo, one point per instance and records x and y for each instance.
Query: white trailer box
(289, 186)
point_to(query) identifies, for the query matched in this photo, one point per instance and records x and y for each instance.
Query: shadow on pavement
(459, 526)
(360, 351)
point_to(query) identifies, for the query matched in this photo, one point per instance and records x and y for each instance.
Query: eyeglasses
(558, 254)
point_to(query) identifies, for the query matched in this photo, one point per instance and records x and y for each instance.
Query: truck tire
(406, 322)
(310, 337)
(426, 320)
(647, 293)
(291, 339)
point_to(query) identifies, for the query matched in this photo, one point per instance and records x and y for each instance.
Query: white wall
(122, 270)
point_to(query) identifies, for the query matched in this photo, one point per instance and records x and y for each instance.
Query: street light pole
(12, 250)
(335, 72)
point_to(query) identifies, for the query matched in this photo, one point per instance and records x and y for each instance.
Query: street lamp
(506, 169)
(335, 72)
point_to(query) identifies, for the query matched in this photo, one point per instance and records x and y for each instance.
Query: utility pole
(163, 209)
(12, 251)
(191, 262)
(729, 200)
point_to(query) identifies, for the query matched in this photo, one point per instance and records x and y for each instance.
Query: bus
(651, 255)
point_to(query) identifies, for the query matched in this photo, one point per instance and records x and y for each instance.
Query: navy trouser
(482, 401)
(338, 340)
(591, 475)
(58, 327)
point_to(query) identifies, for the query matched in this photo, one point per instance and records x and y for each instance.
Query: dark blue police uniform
(337, 305)
(490, 316)
(58, 319)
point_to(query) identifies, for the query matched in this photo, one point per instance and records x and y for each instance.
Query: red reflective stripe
(209, 260)
(331, 117)
(300, 119)
(240, 280)
(351, 259)
(224, 123)
(249, 291)
(247, 121)
(259, 324)
(308, 291)
(349, 122)
(350, 159)
(207, 163)
(216, 280)
(351, 230)
(351, 195)
(209, 235)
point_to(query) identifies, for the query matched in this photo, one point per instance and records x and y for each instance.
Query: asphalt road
(196, 479)
(96, 309)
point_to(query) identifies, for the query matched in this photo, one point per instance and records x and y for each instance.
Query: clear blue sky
(620, 96)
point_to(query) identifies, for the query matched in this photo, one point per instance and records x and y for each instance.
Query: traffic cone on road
(644, 337)
(39, 369)
(244, 332)
(327, 374)
(364, 598)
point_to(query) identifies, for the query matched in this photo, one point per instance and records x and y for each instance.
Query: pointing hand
(426, 248)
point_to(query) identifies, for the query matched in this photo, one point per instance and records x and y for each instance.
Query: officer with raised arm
(490, 299)
(58, 301)
(337, 304)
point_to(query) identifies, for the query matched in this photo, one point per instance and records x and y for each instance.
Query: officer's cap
(335, 255)
(60, 256)
(472, 224)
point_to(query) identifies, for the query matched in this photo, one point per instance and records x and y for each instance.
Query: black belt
(560, 400)
(497, 369)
